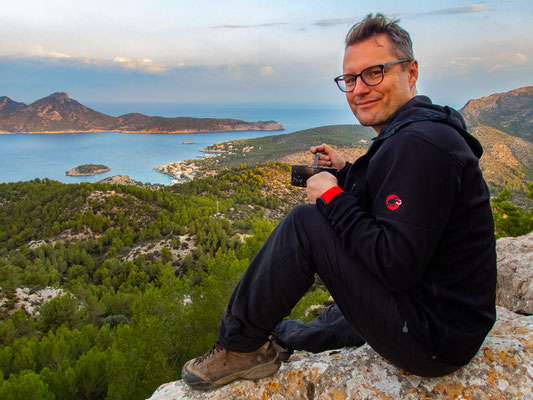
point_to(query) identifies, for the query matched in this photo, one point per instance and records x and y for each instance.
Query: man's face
(373, 105)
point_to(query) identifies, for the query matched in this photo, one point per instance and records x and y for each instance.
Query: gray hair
(371, 26)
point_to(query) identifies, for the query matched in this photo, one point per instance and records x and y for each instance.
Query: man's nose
(360, 87)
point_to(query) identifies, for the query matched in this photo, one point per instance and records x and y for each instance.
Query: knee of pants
(305, 214)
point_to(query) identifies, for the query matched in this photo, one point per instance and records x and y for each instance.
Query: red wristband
(329, 194)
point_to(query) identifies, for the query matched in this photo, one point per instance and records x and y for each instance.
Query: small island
(88, 170)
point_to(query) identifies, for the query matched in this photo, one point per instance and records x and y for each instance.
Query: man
(403, 238)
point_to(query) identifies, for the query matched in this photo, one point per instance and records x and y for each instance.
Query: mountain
(503, 123)
(8, 107)
(55, 113)
(59, 113)
(510, 112)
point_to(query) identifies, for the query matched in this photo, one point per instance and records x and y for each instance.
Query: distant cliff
(510, 112)
(58, 113)
(503, 123)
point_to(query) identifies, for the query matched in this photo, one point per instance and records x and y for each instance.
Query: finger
(320, 147)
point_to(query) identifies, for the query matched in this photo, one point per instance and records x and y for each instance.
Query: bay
(29, 156)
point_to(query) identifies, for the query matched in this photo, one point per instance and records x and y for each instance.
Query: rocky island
(58, 113)
(87, 170)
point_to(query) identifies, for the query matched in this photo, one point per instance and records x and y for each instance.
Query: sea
(28, 156)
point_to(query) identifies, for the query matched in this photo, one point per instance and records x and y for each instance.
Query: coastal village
(188, 170)
(183, 171)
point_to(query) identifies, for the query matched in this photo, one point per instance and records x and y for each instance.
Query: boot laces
(215, 349)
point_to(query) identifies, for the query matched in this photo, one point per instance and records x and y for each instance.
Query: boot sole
(257, 372)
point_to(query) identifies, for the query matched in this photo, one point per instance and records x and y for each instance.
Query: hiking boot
(220, 366)
(284, 352)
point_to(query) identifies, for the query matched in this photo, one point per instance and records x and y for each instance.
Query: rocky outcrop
(126, 180)
(501, 370)
(27, 299)
(510, 112)
(59, 113)
(515, 273)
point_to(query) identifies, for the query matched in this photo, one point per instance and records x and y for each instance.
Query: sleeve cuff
(329, 194)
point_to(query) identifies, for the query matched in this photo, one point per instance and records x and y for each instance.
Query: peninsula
(58, 113)
(87, 170)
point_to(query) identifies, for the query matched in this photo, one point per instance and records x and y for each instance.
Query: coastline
(177, 132)
(185, 170)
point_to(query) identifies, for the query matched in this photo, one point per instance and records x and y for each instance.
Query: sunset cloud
(39, 51)
(520, 57)
(461, 10)
(144, 64)
(231, 26)
(245, 26)
(502, 61)
(267, 70)
(335, 21)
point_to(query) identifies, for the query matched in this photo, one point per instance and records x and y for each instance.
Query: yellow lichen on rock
(273, 386)
(338, 395)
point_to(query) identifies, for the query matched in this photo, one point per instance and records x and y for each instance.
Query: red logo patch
(393, 202)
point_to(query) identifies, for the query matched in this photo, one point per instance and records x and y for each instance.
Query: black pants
(303, 244)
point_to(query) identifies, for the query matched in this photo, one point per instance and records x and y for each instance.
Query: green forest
(141, 276)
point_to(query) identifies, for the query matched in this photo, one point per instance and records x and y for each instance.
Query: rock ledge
(502, 369)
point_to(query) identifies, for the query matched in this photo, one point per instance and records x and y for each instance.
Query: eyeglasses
(371, 76)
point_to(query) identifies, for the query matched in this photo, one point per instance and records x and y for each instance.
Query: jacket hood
(420, 108)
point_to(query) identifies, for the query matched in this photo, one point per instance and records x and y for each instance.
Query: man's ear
(412, 73)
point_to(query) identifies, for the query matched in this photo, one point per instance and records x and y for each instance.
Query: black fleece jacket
(416, 213)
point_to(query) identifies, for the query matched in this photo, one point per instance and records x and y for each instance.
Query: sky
(250, 51)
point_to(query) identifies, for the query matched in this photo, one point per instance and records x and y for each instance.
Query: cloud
(461, 10)
(335, 21)
(122, 60)
(267, 70)
(143, 64)
(520, 57)
(458, 63)
(231, 26)
(39, 51)
(244, 26)
(494, 61)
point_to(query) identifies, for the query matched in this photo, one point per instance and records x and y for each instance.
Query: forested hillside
(107, 290)
(144, 274)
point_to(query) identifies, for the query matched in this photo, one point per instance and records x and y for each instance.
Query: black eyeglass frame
(355, 76)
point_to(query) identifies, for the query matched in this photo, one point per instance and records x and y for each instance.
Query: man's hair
(371, 26)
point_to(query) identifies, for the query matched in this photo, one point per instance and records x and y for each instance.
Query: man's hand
(318, 184)
(329, 158)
